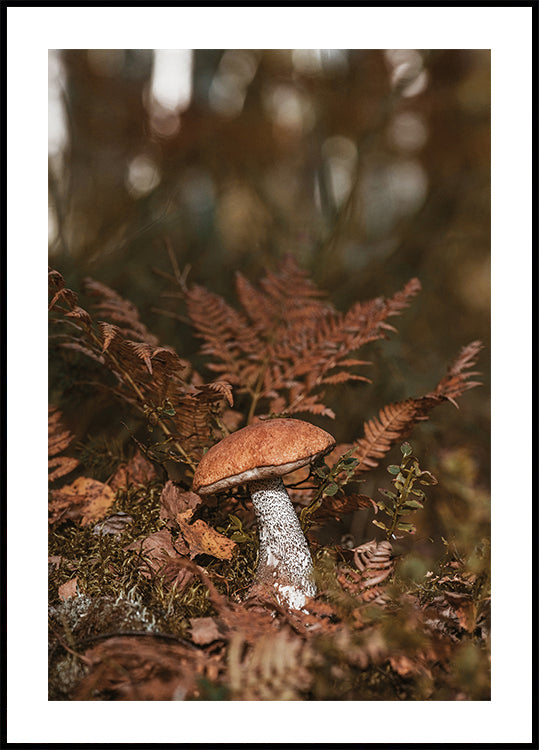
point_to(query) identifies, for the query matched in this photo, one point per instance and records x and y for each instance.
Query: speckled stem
(284, 560)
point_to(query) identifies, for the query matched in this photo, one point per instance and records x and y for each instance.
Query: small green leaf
(349, 461)
(394, 469)
(412, 505)
(380, 525)
(427, 478)
(409, 527)
(381, 505)
(235, 521)
(239, 536)
(387, 493)
(331, 489)
(406, 449)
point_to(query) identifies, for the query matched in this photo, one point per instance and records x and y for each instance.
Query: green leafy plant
(330, 480)
(408, 496)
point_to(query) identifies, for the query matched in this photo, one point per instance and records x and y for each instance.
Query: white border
(30, 33)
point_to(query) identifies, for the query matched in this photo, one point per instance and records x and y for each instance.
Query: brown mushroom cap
(260, 450)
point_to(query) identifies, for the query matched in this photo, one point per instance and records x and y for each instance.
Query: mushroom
(259, 455)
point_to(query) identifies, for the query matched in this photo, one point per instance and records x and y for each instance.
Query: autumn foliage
(183, 564)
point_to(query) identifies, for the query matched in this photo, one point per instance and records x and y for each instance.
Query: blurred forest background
(369, 166)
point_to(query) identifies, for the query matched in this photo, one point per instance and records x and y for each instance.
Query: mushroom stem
(284, 559)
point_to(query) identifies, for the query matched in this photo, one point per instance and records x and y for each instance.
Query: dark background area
(369, 166)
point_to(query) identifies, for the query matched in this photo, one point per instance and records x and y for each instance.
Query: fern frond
(456, 380)
(60, 439)
(226, 334)
(288, 342)
(151, 378)
(395, 421)
(110, 305)
(374, 560)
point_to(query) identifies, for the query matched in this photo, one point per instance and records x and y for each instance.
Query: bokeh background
(369, 166)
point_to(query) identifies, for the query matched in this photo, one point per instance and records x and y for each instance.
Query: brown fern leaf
(226, 333)
(196, 415)
(69, 343)
(456, 380)
(223, 389)
(293, 295)
(276, 668)
(143, 351)
(78, 313)
(120, 311)
(395, 421)
(367, 320)
(55, 280)
(108, 333)
(374, 566)
(64, 297)
(308, 357)
(396, 304)
(289, 343)
(60, 439)
(374, 561)
(256, 304)
(150, 378)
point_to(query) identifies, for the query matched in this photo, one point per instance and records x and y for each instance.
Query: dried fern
(151, 378)
(60, 439)
(276, 668)
(395, 421)
(286, 344)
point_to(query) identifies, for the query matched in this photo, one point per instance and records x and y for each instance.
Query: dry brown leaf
(174, 501)
(68, 589)
(138, 470)
(463, 608)
(157, 548)
(84, 497)
(204, 630)
(59, 440)
(98, 498)
(115, 524)
(203, 540)
(176, 574)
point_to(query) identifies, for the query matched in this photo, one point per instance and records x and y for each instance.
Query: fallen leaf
(158, 548)
(115, 524)
(203, 540)
(68, 589)
(98, 499)
(465, 613)
(174, 501)
(138, 470)
(84, 497)
(204, 630)
(176, 575)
